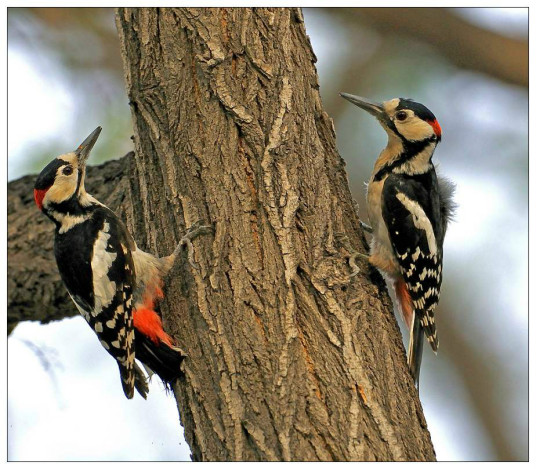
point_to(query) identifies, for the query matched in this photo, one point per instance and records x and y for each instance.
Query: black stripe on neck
(410, 150)
(81, 172)
(71, 206)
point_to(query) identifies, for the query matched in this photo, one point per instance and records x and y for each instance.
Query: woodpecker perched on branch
(112, 282)
(409, 208)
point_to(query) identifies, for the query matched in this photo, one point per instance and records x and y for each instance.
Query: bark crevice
(290, 357)
(286, 364)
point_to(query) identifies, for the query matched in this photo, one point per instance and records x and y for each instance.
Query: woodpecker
(409, 208)
(112, 282)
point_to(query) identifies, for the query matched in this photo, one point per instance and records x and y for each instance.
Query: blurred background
(469, 66)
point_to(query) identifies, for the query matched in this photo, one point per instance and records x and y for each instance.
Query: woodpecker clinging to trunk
(409, 208)
(112, 282)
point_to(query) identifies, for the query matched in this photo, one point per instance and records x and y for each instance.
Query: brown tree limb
(465, 44)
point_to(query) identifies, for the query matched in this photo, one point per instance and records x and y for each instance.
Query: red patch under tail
(405, 301)
(148, 322)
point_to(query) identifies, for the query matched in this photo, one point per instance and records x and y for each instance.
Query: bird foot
(353, 255)
(197, 229)
(352, 261)
(365, 227)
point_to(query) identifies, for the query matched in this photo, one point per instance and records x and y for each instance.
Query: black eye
(401, 115)
(68, 170)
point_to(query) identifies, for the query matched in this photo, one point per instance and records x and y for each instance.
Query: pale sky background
(65, 400)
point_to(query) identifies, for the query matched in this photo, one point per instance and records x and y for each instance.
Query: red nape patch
(39, 195)
(149, 324)
(437, 128)
(405, 301)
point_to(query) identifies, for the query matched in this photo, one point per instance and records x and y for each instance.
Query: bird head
(63, 178)
(402, 119)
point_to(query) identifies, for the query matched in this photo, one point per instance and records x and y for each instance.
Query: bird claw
(353, 265)
(352, 262)
(179, 350)
(353, 255)
(193, 232)
(365, 227)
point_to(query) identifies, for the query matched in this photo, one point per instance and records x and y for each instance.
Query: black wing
(112, 262)
(412, 212)
(96, 265)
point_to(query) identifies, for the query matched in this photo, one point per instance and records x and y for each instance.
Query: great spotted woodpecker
(112, 282)
(409, 208)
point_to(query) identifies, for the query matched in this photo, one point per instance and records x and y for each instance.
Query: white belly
(381, 243)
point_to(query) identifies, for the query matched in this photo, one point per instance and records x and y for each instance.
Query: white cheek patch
(62, 189)
(414, 128)
(64, 185)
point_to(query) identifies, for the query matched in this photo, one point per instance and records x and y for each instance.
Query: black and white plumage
(409, 209)
(112, 282)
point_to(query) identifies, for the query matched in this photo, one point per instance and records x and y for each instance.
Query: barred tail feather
(141, 382)
(161, 358)
(127, 380)
(415, 349)
(133, 379)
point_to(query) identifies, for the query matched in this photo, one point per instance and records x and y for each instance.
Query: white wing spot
(426, 273)
(130, 337)
(110, 323)
(105, 345)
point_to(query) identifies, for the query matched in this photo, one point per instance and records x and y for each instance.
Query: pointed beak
(376, 109)
(85, 147)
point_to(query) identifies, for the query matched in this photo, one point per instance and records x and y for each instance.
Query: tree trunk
(290, 358)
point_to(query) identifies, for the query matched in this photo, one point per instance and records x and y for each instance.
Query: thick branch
(465, 44)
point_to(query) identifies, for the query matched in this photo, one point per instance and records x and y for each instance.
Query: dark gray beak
(376, 109)
(85, 147)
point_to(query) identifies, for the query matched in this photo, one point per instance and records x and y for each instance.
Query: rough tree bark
(289, 356)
